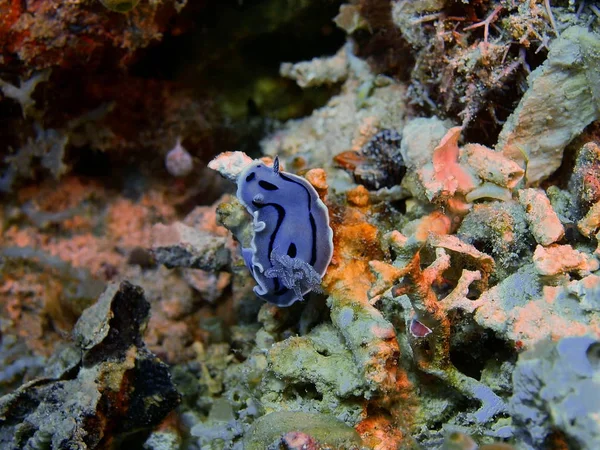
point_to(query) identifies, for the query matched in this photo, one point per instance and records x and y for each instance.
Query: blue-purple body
(293, 242)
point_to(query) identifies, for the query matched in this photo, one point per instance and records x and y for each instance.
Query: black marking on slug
(313, 227)
(302, 186)
(292, 251)
(280, 216)
(267, 186)
(251, 177)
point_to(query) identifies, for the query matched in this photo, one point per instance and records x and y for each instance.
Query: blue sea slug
(293, 242)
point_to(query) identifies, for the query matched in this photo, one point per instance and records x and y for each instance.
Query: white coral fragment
(492, 166)
(349, 19)
(562, 259)
(467, 252)
(23, 93)
(230, 164)
(420, 137)
(543, 221)
(489, 191)
(318, 71)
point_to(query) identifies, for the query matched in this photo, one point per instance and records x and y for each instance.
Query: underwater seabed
(294, 225)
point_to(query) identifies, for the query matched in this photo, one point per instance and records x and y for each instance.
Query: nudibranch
(292, 243)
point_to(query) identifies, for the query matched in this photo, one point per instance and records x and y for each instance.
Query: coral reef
(411, 259)
(41, 35)
(467, 58)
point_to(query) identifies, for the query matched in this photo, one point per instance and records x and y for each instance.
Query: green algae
(314, 373)
(325, 429)
(319, 358)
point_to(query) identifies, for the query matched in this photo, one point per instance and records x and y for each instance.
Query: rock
(110, 387)
(563, 98)
(178, 245)
(556, 387)
(541, 218)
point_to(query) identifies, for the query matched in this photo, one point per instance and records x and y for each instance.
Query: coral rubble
(448, 291)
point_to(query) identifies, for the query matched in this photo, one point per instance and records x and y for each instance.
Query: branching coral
(23, 93)
(432, 351)
(366, 332)
(48, 147)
